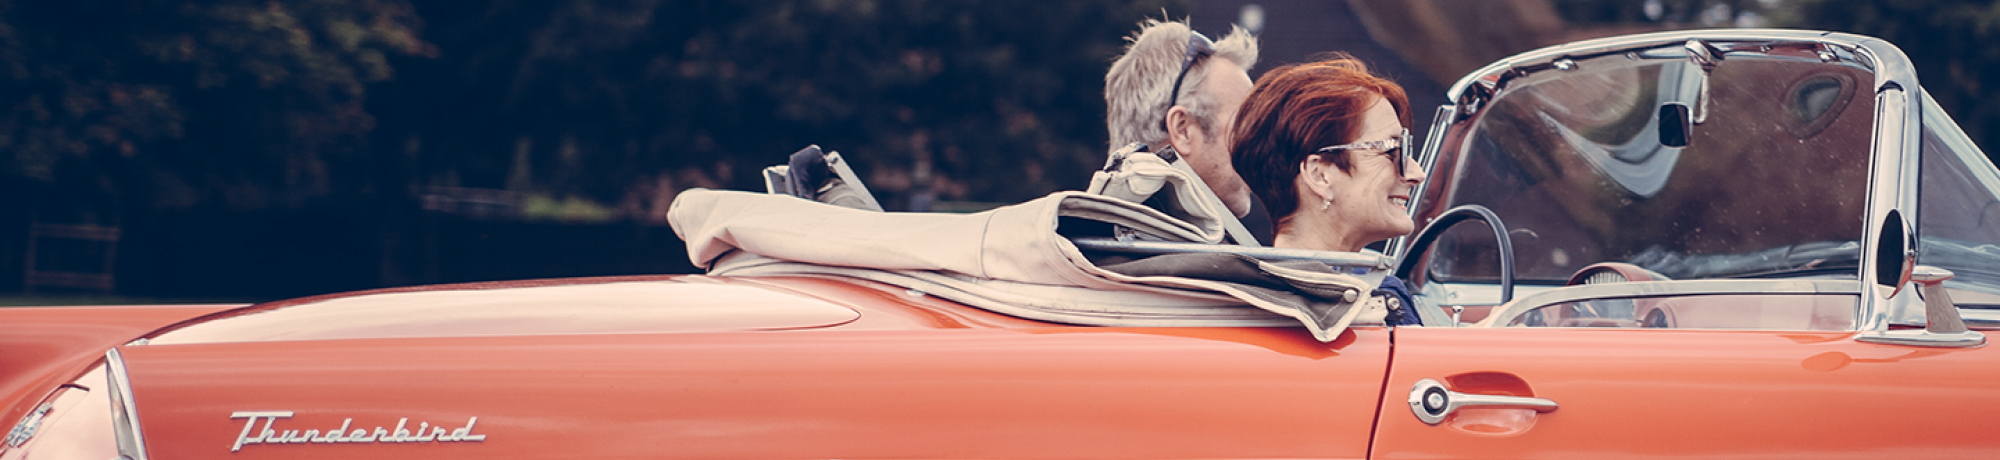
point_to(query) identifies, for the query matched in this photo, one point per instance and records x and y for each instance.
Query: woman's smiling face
(1371, 200)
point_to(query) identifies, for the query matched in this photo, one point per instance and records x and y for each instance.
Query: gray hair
(1135, 90)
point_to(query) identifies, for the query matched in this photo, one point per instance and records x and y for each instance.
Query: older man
(1175, 87)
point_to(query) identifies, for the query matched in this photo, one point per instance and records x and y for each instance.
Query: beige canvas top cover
(1012, 260)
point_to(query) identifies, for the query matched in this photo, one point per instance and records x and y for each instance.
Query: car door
(1665, 393)
(1709, 229)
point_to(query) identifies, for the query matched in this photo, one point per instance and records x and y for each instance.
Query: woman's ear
(1317, 174)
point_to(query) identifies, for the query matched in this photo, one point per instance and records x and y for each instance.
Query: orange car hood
(570, 307)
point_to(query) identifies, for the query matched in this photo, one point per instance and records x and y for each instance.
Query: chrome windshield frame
(124, 411)
(1894, 153)
(1647, 289)
(1426, 159)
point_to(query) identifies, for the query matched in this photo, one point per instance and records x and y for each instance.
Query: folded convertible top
(1020, 260)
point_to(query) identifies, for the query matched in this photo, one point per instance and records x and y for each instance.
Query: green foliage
(169, 102)
(568, 209)
(1952, 43)
(628, 101)
(156, 104)
(150, 104)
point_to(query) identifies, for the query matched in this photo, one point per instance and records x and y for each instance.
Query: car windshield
(1768, 179)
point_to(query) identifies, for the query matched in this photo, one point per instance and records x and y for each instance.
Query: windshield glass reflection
(1958, 218)
(1771, 180)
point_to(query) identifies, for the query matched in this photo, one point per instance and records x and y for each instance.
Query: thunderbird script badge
(402, 433)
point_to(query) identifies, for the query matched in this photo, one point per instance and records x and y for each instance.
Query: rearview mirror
(1676, 123)
(1894, 260)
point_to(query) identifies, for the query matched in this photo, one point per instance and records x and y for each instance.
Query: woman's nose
(1412, 170)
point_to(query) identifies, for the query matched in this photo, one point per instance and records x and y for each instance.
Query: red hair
(1297, 109)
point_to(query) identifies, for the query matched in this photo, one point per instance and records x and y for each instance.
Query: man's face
(1228, 84)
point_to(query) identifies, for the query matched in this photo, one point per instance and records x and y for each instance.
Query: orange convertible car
(1731, 243)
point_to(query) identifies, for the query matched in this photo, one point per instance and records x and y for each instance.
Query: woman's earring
(1326, 203)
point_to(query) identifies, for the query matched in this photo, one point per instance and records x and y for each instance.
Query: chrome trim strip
(1898, 69)
(1892, 189)
(1344, 259)
(1886, 181)
(1924, 338)
(1980, 319)
(26, 429)
(124, 414)
(1426, 158)
(1507, 313)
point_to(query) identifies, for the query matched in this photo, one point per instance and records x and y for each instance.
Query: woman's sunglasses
(1393, 147)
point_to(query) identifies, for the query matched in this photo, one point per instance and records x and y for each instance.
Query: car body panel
(45, 346)
(1049, 392)
(614, 306)
(76, 425)
(1689, 394)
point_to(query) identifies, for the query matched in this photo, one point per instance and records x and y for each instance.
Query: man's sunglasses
(1395, 148)
(1198, 46)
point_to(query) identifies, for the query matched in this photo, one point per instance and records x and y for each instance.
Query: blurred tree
(1951, 42)
(1675, 13)
(330, 119)
(629, 101)
(155, 104)
(146, 104)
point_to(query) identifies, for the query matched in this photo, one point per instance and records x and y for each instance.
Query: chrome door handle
(1431, 401)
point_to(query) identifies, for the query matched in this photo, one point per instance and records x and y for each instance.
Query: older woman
(1325, 145)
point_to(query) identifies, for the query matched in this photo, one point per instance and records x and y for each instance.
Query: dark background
(157, 150)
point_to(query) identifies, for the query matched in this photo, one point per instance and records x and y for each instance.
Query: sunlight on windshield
(1772, 179)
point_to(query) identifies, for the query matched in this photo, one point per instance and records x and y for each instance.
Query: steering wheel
(1623, 312)
(1452, 217)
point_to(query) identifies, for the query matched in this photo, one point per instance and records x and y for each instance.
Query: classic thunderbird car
(1724, 243)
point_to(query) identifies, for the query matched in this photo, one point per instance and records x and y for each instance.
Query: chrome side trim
(1507, 313)
(124, 414)
(1980, 319)
(1924, 338)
